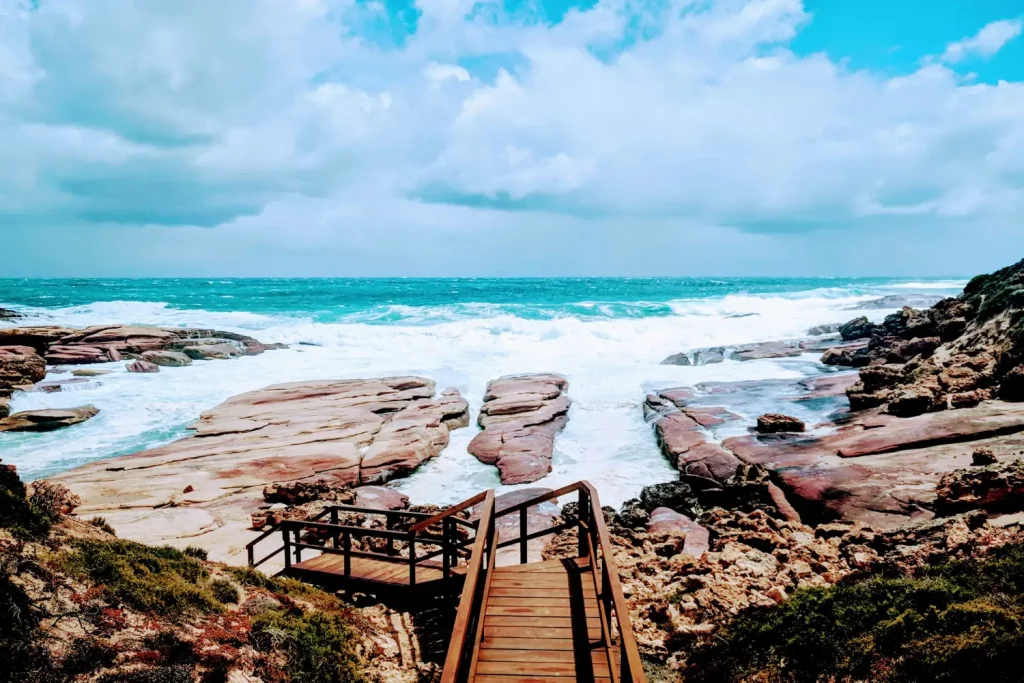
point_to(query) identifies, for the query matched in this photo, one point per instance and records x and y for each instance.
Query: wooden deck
(542, 621)
(389, 572)
(553, 621)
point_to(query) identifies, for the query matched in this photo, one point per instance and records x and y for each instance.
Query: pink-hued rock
(19, 366)
(106, 343)
(667, 521)
(381, 498)
(684, 442)
(880, 469)
(346, 432)
(520, 417)
(142, 366)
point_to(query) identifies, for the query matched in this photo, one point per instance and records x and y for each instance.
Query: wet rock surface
(347, 432)
(46, 420)
(773, 423)
(520, 417)
(106, 343)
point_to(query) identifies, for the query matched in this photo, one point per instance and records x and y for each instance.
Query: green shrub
(87, 654)
(963, 620)
(197, 552)
(162, 580)
(17, 514)
(101, 524)
(23, 658)
(224, 591)
(320, 647)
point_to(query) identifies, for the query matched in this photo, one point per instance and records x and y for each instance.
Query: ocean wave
(955, 285)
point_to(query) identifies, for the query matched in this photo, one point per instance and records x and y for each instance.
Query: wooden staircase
(551, 621)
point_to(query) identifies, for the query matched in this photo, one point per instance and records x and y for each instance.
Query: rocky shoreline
(913, 452)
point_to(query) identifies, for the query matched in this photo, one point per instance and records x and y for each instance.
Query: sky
(517, 138)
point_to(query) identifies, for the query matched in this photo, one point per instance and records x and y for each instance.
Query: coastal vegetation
(955, 621)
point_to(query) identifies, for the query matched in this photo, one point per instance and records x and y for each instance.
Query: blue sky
(453, 137)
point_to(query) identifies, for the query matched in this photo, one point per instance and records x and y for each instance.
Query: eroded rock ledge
(349, 432)
(520, 417)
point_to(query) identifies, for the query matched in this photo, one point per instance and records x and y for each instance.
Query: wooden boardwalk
(542, 622)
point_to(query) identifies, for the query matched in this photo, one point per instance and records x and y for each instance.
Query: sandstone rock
(142, 366)
(520, 417)
(5, 408)
(20, 365)
(999, 486)
(46, 420)
(858, 328)
(61, 384)
(346, 432)
(8, 314)
(381, 498)
(766, 350)
(821, 330)
(170, 359)
(39, 338)
(666, 521)
(90, 373)
(854, 355)
(677, 359)
(771, 423)
(983, 456)
(212, 351)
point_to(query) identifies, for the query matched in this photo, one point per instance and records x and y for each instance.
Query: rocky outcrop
(960, 352)
(996, 487)
(520, 417)
(46, 420)
(20, 366)
(8, 314)
(881, 469)
(773, 423)
(347, 432)
(756, 560)
(669, 522)
(106, 343)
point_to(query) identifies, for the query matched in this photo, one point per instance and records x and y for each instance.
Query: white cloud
(686, 116)
(988, 41)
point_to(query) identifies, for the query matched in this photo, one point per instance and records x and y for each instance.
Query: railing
(594, 545)
(401, 526)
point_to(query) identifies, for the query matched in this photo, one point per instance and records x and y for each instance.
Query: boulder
(772, 423)
(983, 456)
(46, 420)
(89, 372)
(858, 328)
(674, 495)
(520, 417)
(168, 359)
(39, 338)
(142, 366)
(677, 359)
(666, 521)
(766, 350)
(684, 442)
(8, 314)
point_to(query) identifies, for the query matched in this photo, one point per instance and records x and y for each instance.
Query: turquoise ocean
(607, 335)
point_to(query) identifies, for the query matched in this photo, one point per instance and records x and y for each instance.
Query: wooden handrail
(630, 651)
(468, 602)
(542, 498)
(454, 510)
